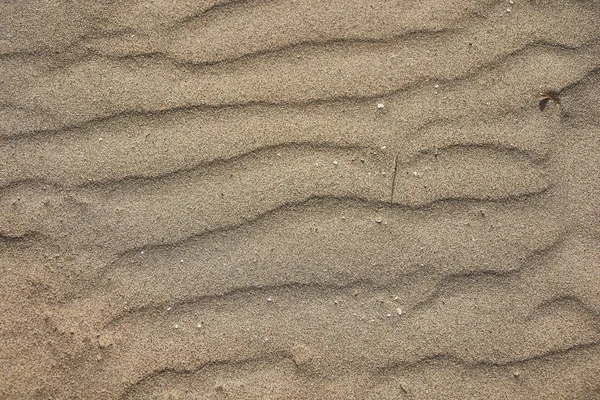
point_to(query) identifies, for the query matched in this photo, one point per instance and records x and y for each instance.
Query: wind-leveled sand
(207, 200)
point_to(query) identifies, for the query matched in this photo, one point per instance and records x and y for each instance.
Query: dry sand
(311, 199)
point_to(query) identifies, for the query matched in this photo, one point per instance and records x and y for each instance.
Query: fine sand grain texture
(300, 199)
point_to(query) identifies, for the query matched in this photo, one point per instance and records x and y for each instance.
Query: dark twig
(394, 178)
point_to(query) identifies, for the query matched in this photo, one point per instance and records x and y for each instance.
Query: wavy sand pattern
(300, 199)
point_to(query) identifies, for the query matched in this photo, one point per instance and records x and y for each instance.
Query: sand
(316, 199)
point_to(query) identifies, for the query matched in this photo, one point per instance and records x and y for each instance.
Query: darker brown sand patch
(272, 200)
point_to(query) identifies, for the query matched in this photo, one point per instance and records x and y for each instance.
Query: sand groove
(103, 94)
(332, 262)
(350, 313)
(204, 199)
(230, 196)
(503, 380)
(186, 140)
(205, 44)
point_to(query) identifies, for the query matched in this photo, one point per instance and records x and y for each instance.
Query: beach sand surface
(315, 199)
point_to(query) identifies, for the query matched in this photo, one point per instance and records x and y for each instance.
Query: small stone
(335, 162)
(517, 374)
(176, 326)
(169, 308)
(199, 326)
(404, 387)
(378, 219)
(436, 85)
(399, 311)
(388, 315)
(270, 300)
(302, 355)
(181, 261)
(105, 341)
(380, 106)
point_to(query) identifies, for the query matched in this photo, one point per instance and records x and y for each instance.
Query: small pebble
(399, 311)
(176, 326)
(169, 308)
(105, 341)
(378, 220)
(335, 163)
(270, 300)
(380, 106)
(199, 326)
(181, 261)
